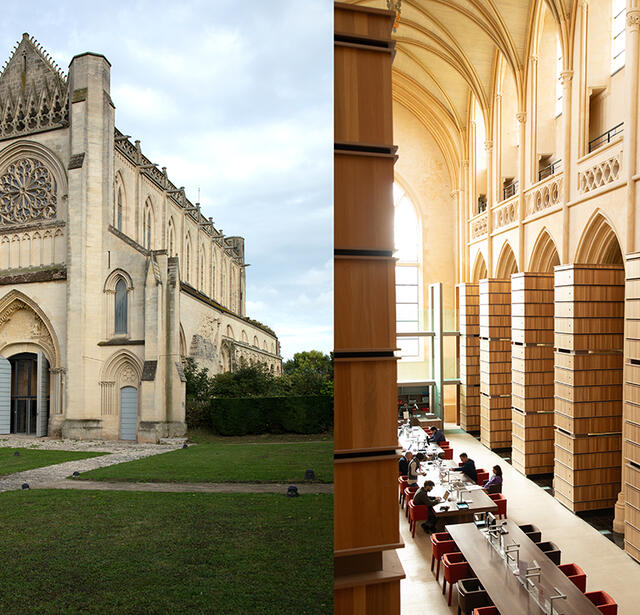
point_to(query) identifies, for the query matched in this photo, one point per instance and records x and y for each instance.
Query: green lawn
(103, 552)
(30, 458)
(225, 463)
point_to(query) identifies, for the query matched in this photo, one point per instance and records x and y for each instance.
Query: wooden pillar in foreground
(631, 412)
(495, 363)
(469, 320)
(589, 323)
(532, 372)
(367, 571)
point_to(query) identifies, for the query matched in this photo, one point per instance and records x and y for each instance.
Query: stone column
(466, 199)
(522, 133)
(567, 77)
(488, 145)
(533, 115)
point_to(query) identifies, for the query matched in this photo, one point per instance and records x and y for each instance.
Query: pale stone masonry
(109, 276)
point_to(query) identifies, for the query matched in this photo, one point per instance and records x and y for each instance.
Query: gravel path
(119, 453)
(185, 487)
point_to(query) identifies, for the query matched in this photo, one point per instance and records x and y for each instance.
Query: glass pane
(407, 326)
(407, 311)
(31, 404)
(406, 275)
(121, 307)
(406, 294)
(409, 346)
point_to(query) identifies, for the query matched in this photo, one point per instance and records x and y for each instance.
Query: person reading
(437, 436)
(414, 469)
(403, 463)
(494, 484)
(467, 467)
(422, 498)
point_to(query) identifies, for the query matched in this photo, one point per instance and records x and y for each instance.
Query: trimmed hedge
(258, 415)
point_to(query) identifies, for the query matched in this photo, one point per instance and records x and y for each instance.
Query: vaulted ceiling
(446, 51)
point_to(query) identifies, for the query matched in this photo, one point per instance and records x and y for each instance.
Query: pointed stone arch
(183, 343)
(119, 201)
(22, 321)
(544, 256)
(507, 263)
(479, 268)
(121, 369)
(599, 244)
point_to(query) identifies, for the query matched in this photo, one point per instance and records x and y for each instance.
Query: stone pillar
(531, 152)
(465, 218)
(580, 126)
(522, 214)
(488, 145)
(566, 77)
(91, 129)
(632, 49)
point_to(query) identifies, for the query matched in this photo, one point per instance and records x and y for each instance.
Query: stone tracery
(28, 192)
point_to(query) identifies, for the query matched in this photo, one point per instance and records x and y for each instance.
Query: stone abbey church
(109, 276)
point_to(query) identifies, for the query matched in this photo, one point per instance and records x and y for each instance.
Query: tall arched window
(213, 276)
(187, 259)
(203, 269)
(148, 225)
(119, 209)
(223, 281)
(172, 238)
(407, 244)
(121, 308)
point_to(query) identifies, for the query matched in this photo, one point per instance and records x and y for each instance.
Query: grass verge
(85, 552)
(30, 458)
(227, 463)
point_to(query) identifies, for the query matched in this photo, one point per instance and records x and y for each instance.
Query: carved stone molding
(633, 19)
(479, 227)
(600, 174)
(488, 145)
(506, 214)
(566, 77)
(546, 195)
(521, 116)
(28, 192)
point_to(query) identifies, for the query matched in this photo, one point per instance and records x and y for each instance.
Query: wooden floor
(606, 565)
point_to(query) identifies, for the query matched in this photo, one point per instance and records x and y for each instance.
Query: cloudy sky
(233, 98)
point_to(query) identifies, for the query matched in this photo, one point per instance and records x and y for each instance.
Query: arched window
(148, 225)
(121, 308)
(213, 276)
(618, 12)
(203, 269)
(172, 238)
(223, 284)
(255, 341)
(187, 259)
(119, 210)
(407, 243)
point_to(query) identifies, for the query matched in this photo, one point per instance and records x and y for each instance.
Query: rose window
(27, 193)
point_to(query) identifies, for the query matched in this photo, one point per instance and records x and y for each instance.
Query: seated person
(422, 498)
(414, 469)
(467, 467)
(494, 484)
(437, 436)
(403, 463)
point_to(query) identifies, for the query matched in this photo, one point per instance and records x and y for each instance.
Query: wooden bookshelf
(631, 409)
(367, 571)
(495, 362)
(588, 361)
(469, 322)
(532, 372)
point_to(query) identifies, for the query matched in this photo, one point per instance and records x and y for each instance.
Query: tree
(309, 373)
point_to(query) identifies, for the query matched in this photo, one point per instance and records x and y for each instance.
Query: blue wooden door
(128, 413)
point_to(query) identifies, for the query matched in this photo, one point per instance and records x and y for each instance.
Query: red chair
(454, 567)
(403, 483)
(447, 453)
(486, 610)
(441, 543)
(483, 476)
(409, 492)
(603, 602)
(417, 512)
(576, 575)
(445, 444)
(501, 501)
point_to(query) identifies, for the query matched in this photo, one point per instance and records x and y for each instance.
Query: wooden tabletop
(506, 591)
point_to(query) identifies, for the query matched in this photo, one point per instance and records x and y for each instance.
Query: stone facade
(109, 275)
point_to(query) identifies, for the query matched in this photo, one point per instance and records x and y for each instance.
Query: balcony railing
(549, 170)
(510, 190)
(605, 137)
